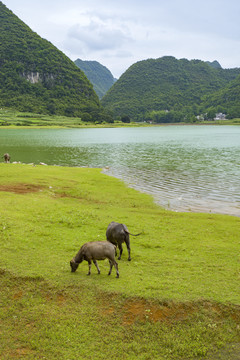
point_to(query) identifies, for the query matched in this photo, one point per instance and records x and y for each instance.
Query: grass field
(179, 297)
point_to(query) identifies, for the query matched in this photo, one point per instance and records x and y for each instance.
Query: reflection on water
(185, 168)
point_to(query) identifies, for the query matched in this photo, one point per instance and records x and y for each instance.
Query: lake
(185, 168)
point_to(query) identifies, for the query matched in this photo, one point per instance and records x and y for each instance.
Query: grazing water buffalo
(6, 158)
(93, 251)
(117, 234)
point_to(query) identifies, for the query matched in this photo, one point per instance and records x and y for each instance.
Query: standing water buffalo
(6, 158)
(93, 251)
(117, 234)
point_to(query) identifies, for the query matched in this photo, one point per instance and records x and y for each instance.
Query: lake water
(185, 168)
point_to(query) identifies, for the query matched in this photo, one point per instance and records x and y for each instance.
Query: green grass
(223, 122)
(11, 118)
(178, 298)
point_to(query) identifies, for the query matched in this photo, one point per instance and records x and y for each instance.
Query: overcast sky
(118, 33)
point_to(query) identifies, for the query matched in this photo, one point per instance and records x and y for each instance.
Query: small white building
(220, 116)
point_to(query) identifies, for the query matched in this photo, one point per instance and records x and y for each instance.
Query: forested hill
(100, 76)
(165, 84)
(36, 76)
(227, 100)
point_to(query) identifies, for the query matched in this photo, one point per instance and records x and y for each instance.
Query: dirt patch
(79, 198)
(132, 310)
(21, 353)
(170, 312)
(65, 195)
(18, 295)
(136, 309)
(141, 310)
(21, 188)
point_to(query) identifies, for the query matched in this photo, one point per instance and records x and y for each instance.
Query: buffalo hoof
(129, 259)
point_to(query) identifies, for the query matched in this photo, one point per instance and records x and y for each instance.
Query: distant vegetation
(101, 78)
(35, 76)
(171, 90)
(227, 99)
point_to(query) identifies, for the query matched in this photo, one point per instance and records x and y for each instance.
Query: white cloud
(119, 33)
(98, 36)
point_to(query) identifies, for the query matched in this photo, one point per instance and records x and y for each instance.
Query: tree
(125, 119)
(211, 114)
(86, 117)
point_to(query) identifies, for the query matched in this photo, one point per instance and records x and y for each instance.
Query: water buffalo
(93, 251)
(117, 234)
(6, 158)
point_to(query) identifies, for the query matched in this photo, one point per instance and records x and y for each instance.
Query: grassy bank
(177, 299)
(15, 119)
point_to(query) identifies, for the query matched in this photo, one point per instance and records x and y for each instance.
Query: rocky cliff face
(32, 77)
(35, 77)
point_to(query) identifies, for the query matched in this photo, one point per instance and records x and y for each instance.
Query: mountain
(164, 84)
(101, 78)
(35, 76)
(215, 64)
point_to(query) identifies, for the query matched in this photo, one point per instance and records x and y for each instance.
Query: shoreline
(187, 207)
(114, 126)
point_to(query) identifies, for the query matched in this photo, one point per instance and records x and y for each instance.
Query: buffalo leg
(129, 250)
(120, 251)
(113, 262)
(116, 267)
(96, 264)
(89, 267)
(111, 265)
